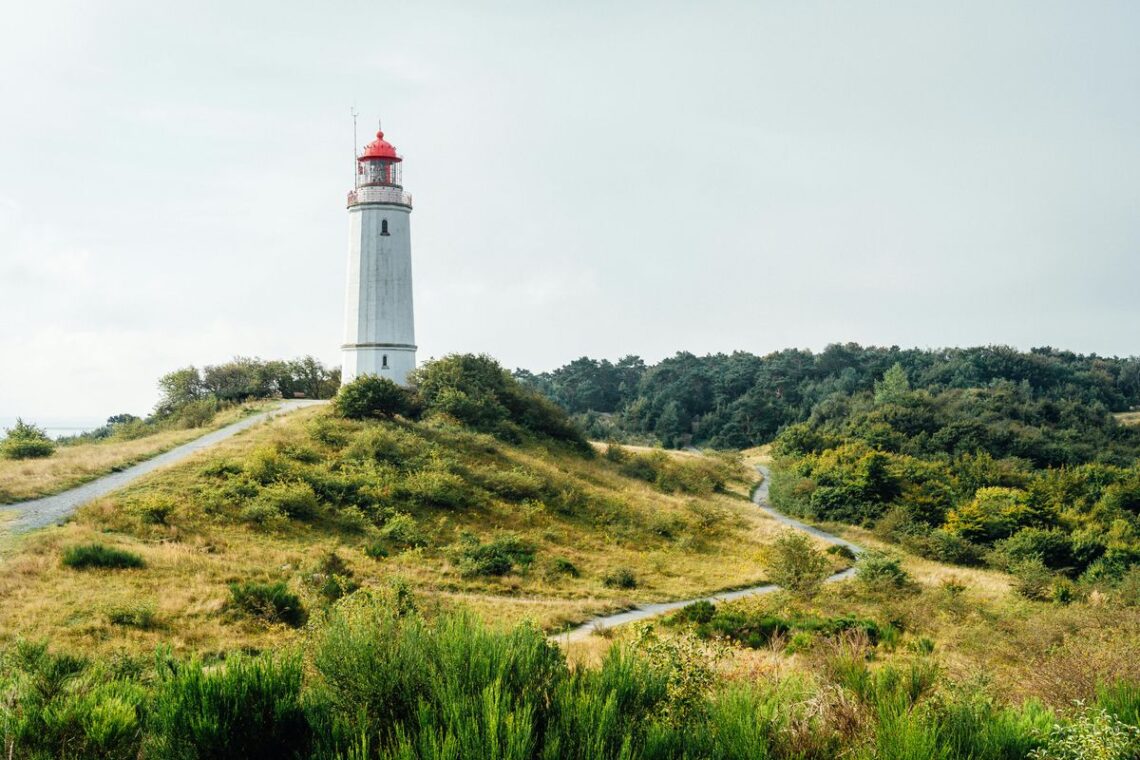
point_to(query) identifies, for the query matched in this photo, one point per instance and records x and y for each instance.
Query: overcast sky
(589, 178)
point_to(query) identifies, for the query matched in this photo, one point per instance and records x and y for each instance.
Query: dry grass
(76, 464)
(677, 546)
(1128, 418)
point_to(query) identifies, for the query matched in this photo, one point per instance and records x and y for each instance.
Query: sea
(55, 427)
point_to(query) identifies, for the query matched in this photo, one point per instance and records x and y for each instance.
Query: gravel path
(760, 499)
(39, 513)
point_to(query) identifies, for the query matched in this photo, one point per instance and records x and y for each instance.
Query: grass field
(75, 464)
(1128, 418)
(601, 537)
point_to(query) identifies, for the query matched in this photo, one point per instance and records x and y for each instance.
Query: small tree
(179, 388)
(893, 387)
(371, 396)
(26, 441)
(795, 564)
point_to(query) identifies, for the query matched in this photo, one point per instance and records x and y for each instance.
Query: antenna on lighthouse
(355, 144)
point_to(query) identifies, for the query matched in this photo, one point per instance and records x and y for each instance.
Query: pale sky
(589, 178)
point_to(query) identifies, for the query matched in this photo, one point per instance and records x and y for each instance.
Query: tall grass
(379, 680)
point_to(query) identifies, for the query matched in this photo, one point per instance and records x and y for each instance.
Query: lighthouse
(379, 330)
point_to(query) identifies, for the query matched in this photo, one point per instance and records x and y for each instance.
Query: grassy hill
(385, 588)
(537, 530)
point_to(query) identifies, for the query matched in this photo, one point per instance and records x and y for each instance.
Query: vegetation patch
(499, 556)
(270, 602)
(25, 441)
(98, 556)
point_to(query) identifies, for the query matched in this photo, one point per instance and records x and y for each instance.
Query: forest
(739, 400)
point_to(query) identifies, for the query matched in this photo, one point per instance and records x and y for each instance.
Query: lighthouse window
(384, 361)
(383, 226)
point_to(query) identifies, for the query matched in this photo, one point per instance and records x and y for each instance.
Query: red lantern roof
(379, 149)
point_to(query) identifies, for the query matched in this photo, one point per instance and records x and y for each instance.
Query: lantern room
(379, 164)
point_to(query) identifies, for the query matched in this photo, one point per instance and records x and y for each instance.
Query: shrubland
(495, 502)
(376, 676)
(1048, 491)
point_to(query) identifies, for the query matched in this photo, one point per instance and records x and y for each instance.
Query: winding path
(39, 513)
(760, 499)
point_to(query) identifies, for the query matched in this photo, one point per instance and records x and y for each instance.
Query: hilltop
(515, 525)
(385, 577)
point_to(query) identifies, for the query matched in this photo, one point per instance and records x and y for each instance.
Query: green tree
(179, 388)
(796, 565)
(893, 387)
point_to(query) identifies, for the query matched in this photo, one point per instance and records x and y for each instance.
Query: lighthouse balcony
(392, 195)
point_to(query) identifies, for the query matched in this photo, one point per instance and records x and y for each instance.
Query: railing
(380, 195)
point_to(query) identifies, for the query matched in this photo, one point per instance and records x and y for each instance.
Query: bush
(1095, 734)
(198, 413)
(1032, 580)
(476, 391)
(497, 557)
(271, 602)
(563, 566)
(795, 564)
(622, 577)
(370, 396)
(297, 501)
(402, 530)
(248, 707)
(437, 488)
(26, 441)
(881, 572)
(100, 556)
(1053, 547)
(701, 611)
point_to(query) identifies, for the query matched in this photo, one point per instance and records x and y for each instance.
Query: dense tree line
(244, 378)
(740, 399)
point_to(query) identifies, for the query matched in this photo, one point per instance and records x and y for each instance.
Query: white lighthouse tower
(379, 334)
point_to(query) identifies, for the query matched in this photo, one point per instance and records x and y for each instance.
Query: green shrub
(26, 441)
(563, 566)
(795, 564)
(701, 611)
(1094, 734)
(371, 396)
(1032, 580)
(156, 510)
(621, 577)
(513, 485)
(271, 602)
(296, 501)
(403, 530)
(249, 707)
(438, 488)
(100, 556)
(1053, 547)
(881, 572)
(476, 391)
(196, 414)
(496, 557)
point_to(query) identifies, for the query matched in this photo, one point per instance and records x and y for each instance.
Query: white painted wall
(379, 329)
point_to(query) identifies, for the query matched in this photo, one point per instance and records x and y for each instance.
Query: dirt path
(760, 499)
(39, 513)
